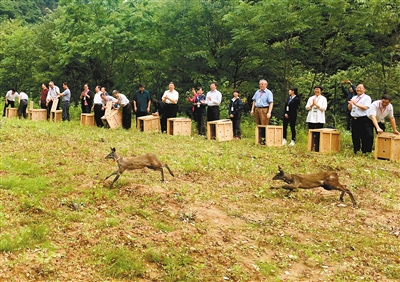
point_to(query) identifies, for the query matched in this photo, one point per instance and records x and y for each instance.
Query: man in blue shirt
(263, 102)
(141, 102)
(66, 98)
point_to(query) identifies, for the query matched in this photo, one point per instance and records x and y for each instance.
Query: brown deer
(147, 160)
(328, 180)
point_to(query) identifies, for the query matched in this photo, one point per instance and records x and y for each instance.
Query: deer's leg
(162, 174)
(344, 190)
(114, 173)
(169, 170)
(115, 179)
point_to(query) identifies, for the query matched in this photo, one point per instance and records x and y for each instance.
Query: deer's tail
(169, 170)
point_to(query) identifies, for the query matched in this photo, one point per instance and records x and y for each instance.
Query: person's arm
(375, 123)
(323, 106)
(252, 108)
(148, 106)
(270, 107)
(309, 103)
(393, 124)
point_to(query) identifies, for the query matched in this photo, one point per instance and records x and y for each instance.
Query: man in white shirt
(362, 132)
(23, 104)
(381, 109)
(126, 109)
(10, 100)
(170, 100)
(52, 95)
(213, 98)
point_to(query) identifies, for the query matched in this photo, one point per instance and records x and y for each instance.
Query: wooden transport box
(269, 135)
(148, 123)
(220, 130)
(324, 140)
(179, 126)
(387, 147)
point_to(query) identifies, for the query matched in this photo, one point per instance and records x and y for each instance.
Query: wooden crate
(55, 115)
(11, 112)
(179, 126)
(148, 123)
(324, 140)
(220, 130)
(273, 135)
(387, 147)
(38, 114)
(114, 120)
(87, 119)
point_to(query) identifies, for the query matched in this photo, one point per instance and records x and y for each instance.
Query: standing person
(199, 110)
(290, 115)
(66, 101)
(126, 109)
(170, 100)
(214, 98)
(43, 96)
(98, 107)
(51, 95)
(86, 99)
(381, 109)
(348, 94)
(235, 113)
(141, 102)
(362, 128)
(316, 106)
(23, 104)
(261, 108)
(10, 100)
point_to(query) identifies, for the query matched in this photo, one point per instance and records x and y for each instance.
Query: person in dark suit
(290, 115)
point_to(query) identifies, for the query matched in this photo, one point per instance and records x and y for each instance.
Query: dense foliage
(119, 43)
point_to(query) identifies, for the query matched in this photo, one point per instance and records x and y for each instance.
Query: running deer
(328, 180)
(147, 160)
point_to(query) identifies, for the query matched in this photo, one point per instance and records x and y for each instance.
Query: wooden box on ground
(220, 130)
(269, 135)
(148, 123)
(387, 147)
(55, 115)
(11, 112)
(114, 120)
(324, 140)
(88, 119)
(36, 114)
(179, 126)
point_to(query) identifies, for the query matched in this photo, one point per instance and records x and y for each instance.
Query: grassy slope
(217, 218)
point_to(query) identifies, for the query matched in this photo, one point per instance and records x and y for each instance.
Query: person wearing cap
(381, 109)
(23, 104)
(362, 130)
(316, 107)
(126, 109)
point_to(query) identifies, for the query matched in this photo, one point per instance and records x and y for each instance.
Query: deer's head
(112, 155)
(280, 175)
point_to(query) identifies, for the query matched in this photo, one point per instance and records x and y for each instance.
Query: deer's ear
(279, 167)
(112, 149)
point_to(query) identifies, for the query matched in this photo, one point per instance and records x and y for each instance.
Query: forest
(121, 43)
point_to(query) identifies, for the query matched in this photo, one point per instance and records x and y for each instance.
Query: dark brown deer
(328, 180)
(147, 160)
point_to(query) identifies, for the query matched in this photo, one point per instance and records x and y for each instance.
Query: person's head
(236, 93)
(115, 93)
(65, 85)
(293, 91)
(103, 89)
(51, 84)
(13, 90)
(318, 90)
(351, 90)
(263, 84)
(360, 89)
(103, 96)
(86, 86)
(199, 90)
(386, 99)
(141, 87)
(97, 88)
(213, 86)
(171, 86)
(154, 101)
(44, 86)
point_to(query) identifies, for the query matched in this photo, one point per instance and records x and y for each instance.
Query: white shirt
(123, 100)
(52, 94)
(174, 95)
(216, 98)
(316, 115)
(23, 96)
(10, 96)
(379, 112)
(97, 98)
(363, 100)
